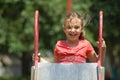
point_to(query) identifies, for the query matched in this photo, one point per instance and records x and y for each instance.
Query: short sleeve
(60, 48)
(89, 47)
(56, 48)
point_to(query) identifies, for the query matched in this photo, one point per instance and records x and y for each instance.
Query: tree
(17, 26)
(111, 27)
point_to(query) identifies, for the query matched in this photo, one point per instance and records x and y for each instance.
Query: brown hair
(71, 16)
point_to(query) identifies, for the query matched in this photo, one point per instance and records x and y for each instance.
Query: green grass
(7, 77)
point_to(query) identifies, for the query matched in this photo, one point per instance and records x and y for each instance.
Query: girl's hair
(71, 16)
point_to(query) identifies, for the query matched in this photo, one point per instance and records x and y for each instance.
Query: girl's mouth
(73, 35)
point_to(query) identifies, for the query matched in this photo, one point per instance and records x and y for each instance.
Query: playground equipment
(68, 71)
(100, 43)
(69, 6)
(56, 71)
(36, 33)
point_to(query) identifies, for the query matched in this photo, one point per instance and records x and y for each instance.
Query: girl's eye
(68, 27)
(77, 27)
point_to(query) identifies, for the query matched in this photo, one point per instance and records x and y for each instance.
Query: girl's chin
(73, 40)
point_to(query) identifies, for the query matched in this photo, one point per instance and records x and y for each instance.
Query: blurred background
(17, 33)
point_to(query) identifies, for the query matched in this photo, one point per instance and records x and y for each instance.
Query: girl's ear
(64, 30)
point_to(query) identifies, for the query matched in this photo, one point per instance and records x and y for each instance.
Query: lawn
(6, 77)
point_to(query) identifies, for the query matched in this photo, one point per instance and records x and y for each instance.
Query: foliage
(17, 23)
(111, 25)
(7, 77)
(17, 26)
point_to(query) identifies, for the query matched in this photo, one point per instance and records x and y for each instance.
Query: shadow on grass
(6, 77)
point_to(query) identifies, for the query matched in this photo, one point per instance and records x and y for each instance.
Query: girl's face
(73, 29)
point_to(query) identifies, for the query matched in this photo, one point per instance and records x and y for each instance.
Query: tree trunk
(26, 64)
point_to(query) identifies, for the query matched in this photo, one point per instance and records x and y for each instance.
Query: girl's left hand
(103, 43)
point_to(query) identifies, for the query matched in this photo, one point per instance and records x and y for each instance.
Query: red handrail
(36, 36)
(100, 38)
(100, 43)
(69, 6)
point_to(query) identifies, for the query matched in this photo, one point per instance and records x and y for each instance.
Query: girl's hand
(103, 43)
(38, 57)
(103, 49)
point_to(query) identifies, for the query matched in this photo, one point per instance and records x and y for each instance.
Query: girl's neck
(72, 43)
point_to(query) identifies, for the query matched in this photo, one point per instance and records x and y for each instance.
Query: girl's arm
(103, 50)
(55, 59)
(93, 57)
(43, 60)
(40, 59)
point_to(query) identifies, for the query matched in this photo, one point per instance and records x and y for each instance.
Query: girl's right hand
(38, 57)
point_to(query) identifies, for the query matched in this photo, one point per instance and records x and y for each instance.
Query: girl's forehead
(73, 22)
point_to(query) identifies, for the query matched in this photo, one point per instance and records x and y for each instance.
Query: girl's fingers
(103, 43)
(38, 57)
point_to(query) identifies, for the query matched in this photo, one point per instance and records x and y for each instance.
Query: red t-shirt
(77, 54)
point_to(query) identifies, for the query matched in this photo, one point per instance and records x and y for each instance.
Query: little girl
(75, 49)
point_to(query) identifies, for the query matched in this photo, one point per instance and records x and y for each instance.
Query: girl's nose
(72, 29)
